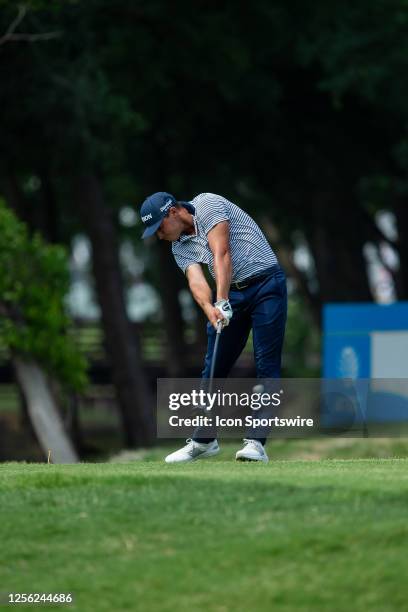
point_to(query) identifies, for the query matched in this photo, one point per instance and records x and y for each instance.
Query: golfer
(250, 291)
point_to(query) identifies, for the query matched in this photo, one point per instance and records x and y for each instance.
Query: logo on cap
(154, 209)
(166, 206)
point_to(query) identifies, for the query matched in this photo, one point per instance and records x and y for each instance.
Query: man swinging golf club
(250, 292)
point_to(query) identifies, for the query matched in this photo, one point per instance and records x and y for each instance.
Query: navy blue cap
(154, 209)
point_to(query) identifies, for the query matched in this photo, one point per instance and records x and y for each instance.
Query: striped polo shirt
(250, 251)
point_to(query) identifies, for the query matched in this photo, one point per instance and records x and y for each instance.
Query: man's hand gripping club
(225, 310)
(221, 310)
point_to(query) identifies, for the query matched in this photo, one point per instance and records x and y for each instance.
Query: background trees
(297, 112)
(35, 330)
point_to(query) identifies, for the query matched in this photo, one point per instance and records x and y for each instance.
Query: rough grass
(214, 535)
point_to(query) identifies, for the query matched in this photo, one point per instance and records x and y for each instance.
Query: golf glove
(225, 308)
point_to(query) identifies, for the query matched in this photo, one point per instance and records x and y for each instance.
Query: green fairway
(218, 536)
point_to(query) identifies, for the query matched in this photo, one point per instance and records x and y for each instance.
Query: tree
(296, 111)
(360, 50)
(35, 328)
(69, 87)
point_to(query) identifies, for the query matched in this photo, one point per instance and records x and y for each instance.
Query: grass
(213, 535)
(330, 447)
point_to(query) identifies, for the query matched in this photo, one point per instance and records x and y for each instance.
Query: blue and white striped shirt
(250, 251)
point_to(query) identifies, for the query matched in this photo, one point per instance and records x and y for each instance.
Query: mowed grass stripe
(329, 535)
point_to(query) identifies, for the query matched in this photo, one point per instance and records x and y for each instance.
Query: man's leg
(268, 325)
(269, 312)
(231, 344)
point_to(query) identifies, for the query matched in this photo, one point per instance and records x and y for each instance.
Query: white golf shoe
(193, 451)
(253, 450)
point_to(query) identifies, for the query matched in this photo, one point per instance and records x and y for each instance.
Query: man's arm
(201, 292)
(218, 240)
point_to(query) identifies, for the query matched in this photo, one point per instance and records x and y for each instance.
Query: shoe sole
(251, 460)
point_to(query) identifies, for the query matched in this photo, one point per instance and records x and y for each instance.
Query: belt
(251, 280)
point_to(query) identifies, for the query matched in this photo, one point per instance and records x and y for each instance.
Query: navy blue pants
(261, 307)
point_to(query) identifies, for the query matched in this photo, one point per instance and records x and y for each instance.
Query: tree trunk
(123, 345)
(336, 240)
(43, 412)
(284, 252)
(169, 284)
(401, 212)
(173, 320)
(49, 218)
(15, 198)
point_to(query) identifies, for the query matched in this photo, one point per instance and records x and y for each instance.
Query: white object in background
(389, 354)
(43, 411)
(348, 364)
(389, 361)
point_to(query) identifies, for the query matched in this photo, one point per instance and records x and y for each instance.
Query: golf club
(214, 355)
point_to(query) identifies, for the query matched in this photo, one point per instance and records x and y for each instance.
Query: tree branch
(11, 36)
(22, 12)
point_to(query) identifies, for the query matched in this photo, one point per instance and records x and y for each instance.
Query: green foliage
(362, 49)
(302, 341)
(296, 111)
(33, 282)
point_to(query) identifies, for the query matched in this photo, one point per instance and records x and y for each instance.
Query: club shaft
(214, 355)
